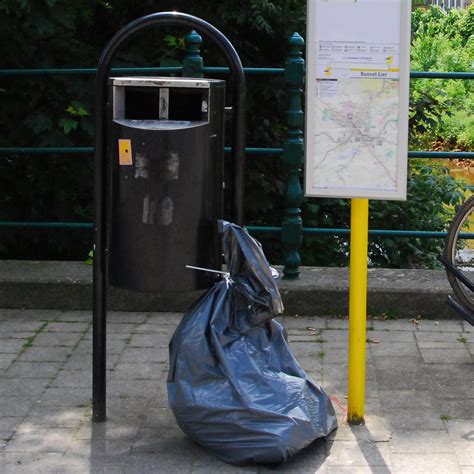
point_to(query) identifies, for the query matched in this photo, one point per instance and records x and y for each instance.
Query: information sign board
(357, 88)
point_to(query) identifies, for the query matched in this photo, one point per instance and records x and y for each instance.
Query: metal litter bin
(166, 148)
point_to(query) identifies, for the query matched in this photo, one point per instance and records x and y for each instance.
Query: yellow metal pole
(357, 309)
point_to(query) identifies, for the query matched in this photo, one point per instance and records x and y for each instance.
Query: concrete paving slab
(392, 324)
(461, 430)
(117, 346)
(110, 336)
(418, 380)
(20, 324)
(418, 414)
(415, 419)
(114, 429)
(125, 408)
(405, 364)
(81, 468)
(15, 406)
(80, 362)
(451, 374)
(67, 327)
(311, 459)
(374, 430)
(446, 356)
(454, 344)
(457, 408)
(438, 326)
(149, 463)
(139, 371)
(21, 335)
(392, 336)
(421, 462)
(150, 328)
(465, 456)
(143, 388)
(421, 441)
(397, 349)
(149, 340)
(40, 440)
(71, 379)
(28, 388)
(455, 392)
(130, 317)
(10, 423)
(122, 328)
(308, 349)
(336, 371)
(407, 399)
(44, 416)
(45, 354)
(26, 463)
(97, 452)
(437, 336)
(11, 346)
(66, 397)
(359, 453)
(6, 360)
(145, 355)
(57, 339)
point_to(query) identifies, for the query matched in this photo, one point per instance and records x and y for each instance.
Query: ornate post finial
(292, 227)
(193, 62)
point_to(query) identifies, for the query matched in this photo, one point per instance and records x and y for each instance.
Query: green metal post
(292, 228)
(193, 62)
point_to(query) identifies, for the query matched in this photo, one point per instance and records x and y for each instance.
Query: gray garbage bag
(233, 384)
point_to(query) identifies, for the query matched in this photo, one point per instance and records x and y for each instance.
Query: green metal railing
(292, 152)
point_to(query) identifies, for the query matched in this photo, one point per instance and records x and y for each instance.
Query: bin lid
(147, 81)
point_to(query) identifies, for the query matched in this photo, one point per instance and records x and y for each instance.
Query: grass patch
(462, 339)
(445, 417)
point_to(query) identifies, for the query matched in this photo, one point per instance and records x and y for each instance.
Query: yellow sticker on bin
(125, 152)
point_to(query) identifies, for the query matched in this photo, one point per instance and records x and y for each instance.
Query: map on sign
(357, 98)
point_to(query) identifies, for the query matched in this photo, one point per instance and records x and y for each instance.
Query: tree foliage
(442, 110)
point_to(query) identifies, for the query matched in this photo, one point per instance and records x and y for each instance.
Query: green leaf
(90, 258)
(77, 109)
(68, 125)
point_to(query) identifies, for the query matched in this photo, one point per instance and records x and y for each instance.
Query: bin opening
(153, 103)
(142, 103)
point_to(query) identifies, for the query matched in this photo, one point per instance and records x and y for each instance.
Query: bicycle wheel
(460, 252)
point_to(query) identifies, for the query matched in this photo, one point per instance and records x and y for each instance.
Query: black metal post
(102, 185)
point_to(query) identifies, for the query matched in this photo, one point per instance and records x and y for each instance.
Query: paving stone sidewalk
(419, 406)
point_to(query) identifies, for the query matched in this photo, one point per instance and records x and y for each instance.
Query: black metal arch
(101, 185)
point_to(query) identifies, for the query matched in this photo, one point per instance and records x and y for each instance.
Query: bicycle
(458, 260)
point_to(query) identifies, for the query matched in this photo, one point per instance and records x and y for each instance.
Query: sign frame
(351, 190)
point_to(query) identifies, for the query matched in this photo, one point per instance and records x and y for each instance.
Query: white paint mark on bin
(166, 211)
(141, 166)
